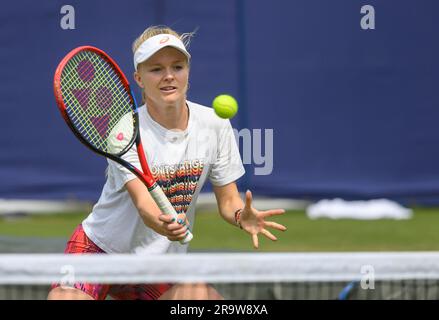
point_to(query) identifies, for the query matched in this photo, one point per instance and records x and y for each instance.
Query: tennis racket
(98, 105)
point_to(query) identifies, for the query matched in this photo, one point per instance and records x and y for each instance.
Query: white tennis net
(384, 275)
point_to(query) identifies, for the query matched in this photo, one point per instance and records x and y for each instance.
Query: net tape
(218, 267)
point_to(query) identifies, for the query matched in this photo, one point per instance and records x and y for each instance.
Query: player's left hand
(253, 220)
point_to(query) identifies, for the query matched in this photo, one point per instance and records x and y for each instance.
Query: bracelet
(238, 217)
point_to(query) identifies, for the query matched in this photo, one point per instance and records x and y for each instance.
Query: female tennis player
(185, 144)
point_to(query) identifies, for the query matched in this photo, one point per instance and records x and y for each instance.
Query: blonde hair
(156, 30)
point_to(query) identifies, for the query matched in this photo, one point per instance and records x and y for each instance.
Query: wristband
(238, 217)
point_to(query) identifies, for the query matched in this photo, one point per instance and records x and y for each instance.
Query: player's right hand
(174, 229)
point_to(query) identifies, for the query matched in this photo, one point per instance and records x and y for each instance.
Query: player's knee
(195, 291)
(67, 294)
(212, 294)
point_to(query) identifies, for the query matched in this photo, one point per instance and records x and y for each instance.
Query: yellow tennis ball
(225, 106)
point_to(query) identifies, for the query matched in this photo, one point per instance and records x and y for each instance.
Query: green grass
(417, 234)
(303, 234)
(45, 226)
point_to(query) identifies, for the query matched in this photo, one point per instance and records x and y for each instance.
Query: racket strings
(98, 104)
(100, 123)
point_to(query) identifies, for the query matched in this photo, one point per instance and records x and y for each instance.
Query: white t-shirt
(180, 161)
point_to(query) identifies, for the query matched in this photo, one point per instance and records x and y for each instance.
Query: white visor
(154, 44)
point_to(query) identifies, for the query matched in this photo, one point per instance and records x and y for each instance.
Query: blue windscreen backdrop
(351, 112)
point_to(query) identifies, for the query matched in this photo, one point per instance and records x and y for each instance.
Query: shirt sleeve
(227, 167)
(121, 175)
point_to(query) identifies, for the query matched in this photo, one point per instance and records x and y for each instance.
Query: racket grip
(166, 207)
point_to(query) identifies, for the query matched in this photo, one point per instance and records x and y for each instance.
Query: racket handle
(167, 208)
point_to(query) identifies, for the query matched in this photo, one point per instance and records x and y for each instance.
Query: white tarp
(362, 210)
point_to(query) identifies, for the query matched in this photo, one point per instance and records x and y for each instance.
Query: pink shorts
(80, 243)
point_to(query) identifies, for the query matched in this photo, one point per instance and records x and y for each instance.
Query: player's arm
(229, 201)
(152, 215)
(251, 220)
